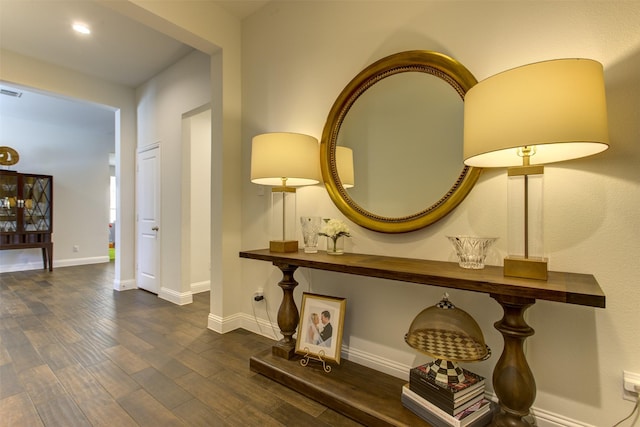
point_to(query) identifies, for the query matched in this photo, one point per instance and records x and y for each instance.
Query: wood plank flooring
(74, 352)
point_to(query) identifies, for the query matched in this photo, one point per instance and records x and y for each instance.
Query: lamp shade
(557, 107)
(344, 163)
(279, 156)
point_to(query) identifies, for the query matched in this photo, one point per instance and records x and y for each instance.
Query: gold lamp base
(527, 268)
(283, 246)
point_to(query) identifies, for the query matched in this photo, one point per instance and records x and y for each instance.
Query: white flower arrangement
(334, 228)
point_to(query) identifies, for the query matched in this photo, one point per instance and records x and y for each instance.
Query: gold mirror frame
(434, 63)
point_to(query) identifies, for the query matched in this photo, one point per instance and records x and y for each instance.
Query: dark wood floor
(74, 352)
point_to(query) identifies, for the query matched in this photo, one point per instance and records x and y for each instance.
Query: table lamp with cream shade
(284, 161)
(525, 117)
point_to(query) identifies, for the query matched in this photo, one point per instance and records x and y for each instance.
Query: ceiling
(119, 50)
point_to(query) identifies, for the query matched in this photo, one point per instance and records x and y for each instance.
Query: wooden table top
(569, 288)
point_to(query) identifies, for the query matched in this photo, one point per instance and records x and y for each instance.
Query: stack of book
(459, 404)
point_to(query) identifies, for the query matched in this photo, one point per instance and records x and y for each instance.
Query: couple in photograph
(320, 329)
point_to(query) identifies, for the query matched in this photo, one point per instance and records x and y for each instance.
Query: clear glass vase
(335, 246)
(310, 226)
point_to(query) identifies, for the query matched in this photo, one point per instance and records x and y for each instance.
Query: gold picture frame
(321, 326)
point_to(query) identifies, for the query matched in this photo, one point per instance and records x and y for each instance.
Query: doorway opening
(196, 136)
(112, 215)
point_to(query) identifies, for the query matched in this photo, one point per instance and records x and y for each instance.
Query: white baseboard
(21, 267)
(70, 262)
(261, 327)
(372, 361)
(124, 285)
(198, 287)
(37, 265)
(183, 298)
(227, 324)
(549, 419)
(179, 298)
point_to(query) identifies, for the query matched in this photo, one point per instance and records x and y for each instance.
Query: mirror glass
(396, 127)
(403, 119)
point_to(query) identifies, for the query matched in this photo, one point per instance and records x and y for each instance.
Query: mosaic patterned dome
(444, 331)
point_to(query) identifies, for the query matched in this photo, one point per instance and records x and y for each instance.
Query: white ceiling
(119, 50)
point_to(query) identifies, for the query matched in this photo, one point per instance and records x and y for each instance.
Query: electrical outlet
(630, 381)
(258, 295)
(76, 248)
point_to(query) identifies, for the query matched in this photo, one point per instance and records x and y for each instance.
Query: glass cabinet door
(36, 194)
(8, 203)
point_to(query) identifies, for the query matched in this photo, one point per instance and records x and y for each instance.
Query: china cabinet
(26, 213)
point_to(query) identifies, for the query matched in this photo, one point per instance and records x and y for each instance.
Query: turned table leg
(50, 256)
(513, 381)
(288, 315)
(45, 258)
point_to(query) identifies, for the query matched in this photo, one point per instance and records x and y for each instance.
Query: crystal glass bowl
(471, 250)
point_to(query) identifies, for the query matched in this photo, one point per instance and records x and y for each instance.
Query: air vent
(10, 93)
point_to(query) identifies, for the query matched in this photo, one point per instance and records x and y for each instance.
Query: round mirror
(401, 117)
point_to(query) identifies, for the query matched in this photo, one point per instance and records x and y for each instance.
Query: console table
(513, 381)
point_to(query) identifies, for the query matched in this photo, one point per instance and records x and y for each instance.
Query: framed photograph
(321, 325)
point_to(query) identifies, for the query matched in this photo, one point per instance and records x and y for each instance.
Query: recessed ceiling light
(81, 28)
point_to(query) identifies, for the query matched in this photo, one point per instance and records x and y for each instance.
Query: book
(429, 393)
(449, 406)
(430, 418)
(476, 415)
(420, 374)
(483, 420)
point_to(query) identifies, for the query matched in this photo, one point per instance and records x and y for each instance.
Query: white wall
(71, 154)
(162, 102)
(297, 57)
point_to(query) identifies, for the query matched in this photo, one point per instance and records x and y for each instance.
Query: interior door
(148, 218)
